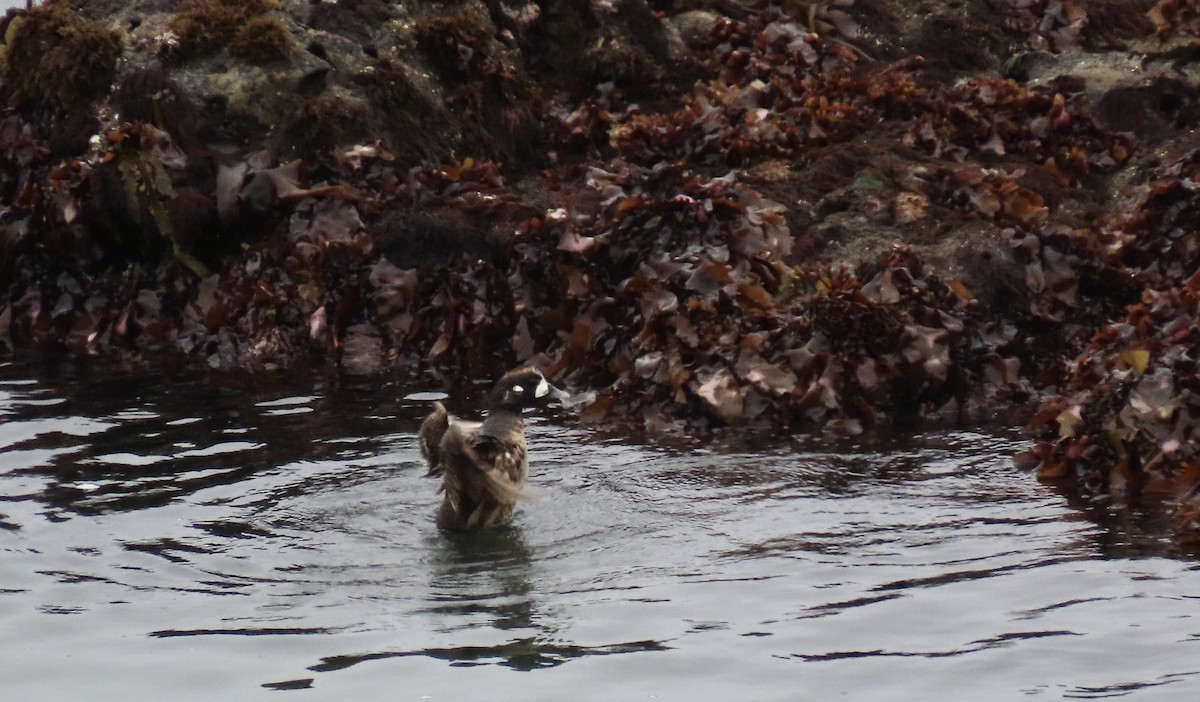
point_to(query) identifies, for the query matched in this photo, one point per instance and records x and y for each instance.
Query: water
(191, 538)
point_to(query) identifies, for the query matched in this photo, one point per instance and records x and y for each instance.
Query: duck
(484, 465)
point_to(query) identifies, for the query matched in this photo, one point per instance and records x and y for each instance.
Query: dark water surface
(184, 539)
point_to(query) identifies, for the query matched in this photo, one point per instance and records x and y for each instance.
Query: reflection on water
(195, 538)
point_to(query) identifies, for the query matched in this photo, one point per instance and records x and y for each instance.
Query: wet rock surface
(798, 216)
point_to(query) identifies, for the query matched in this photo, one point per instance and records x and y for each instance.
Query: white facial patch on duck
(542, 389)
(518, 389)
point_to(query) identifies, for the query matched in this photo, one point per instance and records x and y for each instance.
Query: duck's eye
(542, 388)
(518, 389)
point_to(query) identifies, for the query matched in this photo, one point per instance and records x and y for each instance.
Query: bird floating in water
(483, 465)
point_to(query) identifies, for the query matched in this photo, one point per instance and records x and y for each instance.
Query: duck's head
(524, 387)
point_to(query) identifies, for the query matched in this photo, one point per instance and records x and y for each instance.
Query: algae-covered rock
(53, 58)
(262, 40)
(204, 26)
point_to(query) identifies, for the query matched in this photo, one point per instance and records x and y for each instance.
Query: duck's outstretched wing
(432, 431)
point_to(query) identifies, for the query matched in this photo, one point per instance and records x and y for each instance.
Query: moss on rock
(53, 58)
(327, 121)
(262, 40)
(205, 26)
(416, 127)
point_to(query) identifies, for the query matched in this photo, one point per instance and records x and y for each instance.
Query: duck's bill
(547, 392)
(562, 397)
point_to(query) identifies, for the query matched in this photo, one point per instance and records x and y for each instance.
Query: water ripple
(974, 646)
(280, 530)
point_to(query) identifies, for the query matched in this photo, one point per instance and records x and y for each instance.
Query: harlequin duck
(483, 466)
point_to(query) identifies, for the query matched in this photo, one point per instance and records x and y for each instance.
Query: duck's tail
(432, 430)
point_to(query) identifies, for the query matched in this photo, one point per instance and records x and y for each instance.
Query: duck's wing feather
(505, 466)
(432, 430)
(480, 471)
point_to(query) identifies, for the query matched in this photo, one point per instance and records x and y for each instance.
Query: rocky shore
(789, 216)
